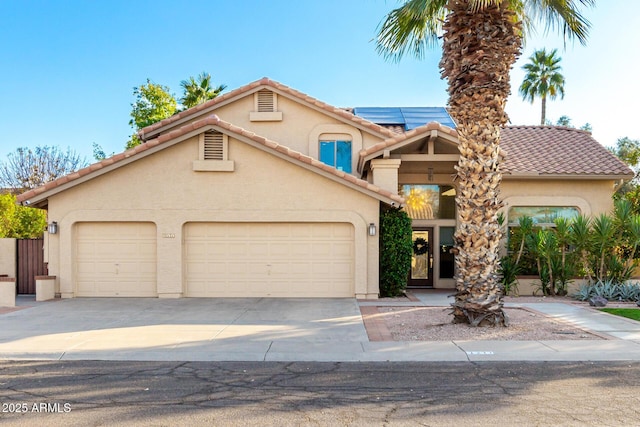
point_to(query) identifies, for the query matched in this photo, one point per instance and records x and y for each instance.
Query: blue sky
(69, 67)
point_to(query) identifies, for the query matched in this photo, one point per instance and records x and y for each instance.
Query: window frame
(340, 165)
(515, 222)
(436, 214)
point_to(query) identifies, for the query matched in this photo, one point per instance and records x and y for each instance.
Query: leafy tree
(481, 40)
(7, 214)
(20, 222)
(26, 168)
(564, 121)
(543, 79)
(98, 152)
(199, 90)
(153, 103)
(628, 150)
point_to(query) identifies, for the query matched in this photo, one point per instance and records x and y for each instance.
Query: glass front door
(421, 275)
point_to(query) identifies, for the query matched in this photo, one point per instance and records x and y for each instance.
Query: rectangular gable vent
(266, 101)
(213, 145)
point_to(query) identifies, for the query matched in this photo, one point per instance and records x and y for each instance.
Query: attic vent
(266, 101)
(213, 146)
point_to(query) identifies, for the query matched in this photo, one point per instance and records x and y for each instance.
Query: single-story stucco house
(267, 192)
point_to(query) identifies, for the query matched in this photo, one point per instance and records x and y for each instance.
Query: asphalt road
(89, 393)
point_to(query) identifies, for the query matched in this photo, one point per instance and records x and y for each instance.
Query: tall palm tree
(543, 79)
(481, 40)
(199, 90)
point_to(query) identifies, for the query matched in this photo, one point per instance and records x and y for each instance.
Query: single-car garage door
(269, 259)
(115, 259)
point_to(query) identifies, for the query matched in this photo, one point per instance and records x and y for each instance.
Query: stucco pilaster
(385, 173)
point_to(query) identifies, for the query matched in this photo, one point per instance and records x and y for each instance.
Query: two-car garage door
(219, 260)
(269, 259)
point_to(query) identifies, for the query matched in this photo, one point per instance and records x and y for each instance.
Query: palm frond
(564, 15)
(412, 28)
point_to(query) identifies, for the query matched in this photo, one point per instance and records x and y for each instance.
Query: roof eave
(40, 195)
(549, 176)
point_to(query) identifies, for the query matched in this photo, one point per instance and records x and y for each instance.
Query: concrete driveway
(246, 329)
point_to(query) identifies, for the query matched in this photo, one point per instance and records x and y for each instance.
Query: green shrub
(395, 251)
(20, 222)
(509, 272)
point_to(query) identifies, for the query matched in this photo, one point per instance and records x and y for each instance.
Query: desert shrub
(609, 289)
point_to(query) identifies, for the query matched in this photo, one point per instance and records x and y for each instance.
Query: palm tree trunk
(479, 49)
(543, 115)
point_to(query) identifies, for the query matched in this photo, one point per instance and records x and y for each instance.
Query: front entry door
(421, 274)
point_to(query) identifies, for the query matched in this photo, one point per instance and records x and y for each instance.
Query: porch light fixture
(53, 228)
(430, 174)
(372, 229)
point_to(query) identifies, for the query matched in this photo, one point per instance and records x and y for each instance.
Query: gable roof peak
(153, 130)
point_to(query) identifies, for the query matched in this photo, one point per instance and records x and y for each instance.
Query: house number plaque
(169, 235)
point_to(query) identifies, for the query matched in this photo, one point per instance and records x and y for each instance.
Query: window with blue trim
(336, 154)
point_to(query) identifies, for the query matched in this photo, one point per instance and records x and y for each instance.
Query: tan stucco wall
(527, 286)
(163, 188)
(7, 292)
(8, 257)
(300, 129)
(591, 197)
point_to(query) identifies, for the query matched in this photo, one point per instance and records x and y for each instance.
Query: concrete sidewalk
(259, 329)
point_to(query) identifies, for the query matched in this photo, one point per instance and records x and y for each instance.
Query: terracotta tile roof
(212, 120)
(395, 128)
(535, 150)
(400, 137)
(553, 150)
(346, 114)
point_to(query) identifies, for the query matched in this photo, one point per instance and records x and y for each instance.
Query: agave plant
(609, 289)
(629, 292)
(584, 292)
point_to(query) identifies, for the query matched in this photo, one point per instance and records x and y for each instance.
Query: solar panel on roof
(381, 115)
(410, 117)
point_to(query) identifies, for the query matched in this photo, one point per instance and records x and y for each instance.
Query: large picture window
(542, 215)
(427, 201)
(336, 154)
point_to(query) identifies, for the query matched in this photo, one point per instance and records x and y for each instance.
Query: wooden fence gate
(30, 262)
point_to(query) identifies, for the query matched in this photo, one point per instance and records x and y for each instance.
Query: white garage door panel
(269, 259)
(115, 260)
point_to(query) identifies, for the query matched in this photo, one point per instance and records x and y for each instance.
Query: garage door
(115, 259)
(269, 260)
